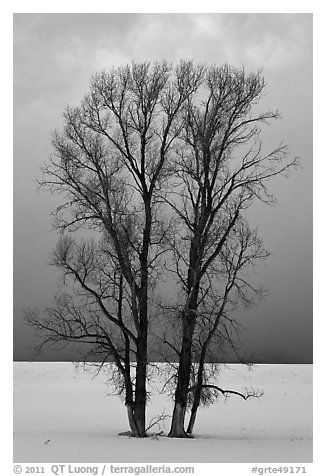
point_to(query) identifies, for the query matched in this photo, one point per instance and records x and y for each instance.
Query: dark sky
(54, 58)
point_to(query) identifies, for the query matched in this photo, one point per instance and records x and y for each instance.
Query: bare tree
(220, 169)
(159, 164)
(93, 309)
(110, 161)
(225, 290)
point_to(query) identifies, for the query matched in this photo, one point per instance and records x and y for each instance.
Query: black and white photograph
(162, 238)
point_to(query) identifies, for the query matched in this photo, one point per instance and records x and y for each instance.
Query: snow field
(62, 415)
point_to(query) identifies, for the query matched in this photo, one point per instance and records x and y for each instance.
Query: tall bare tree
(160, 164)
(226, 289)
(220, 169)
(110, 161)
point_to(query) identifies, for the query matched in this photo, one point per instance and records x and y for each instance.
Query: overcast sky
(54, 58)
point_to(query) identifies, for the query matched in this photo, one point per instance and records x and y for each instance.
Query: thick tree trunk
(141, 356)
(136, 408)
(129, 402)
(136, 403)
(198, 389)
(141, 374)
(140, 396)
(139, 415)
(181, 394)
(185, 360)
(177, 425)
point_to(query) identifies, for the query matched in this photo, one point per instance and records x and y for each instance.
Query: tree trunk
(198, 389)
(196, 401)
(141, 354)
(192, 419)
(185, 360)
(136, 407)
(132, 421)
(181, 394)
(129, 401)
(139, 415)
(177, 425)
(140, 387)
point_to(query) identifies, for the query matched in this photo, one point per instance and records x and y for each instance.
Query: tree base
(179, 435)
(177, 425)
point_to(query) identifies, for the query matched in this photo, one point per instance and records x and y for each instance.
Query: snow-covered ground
(64, 415)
